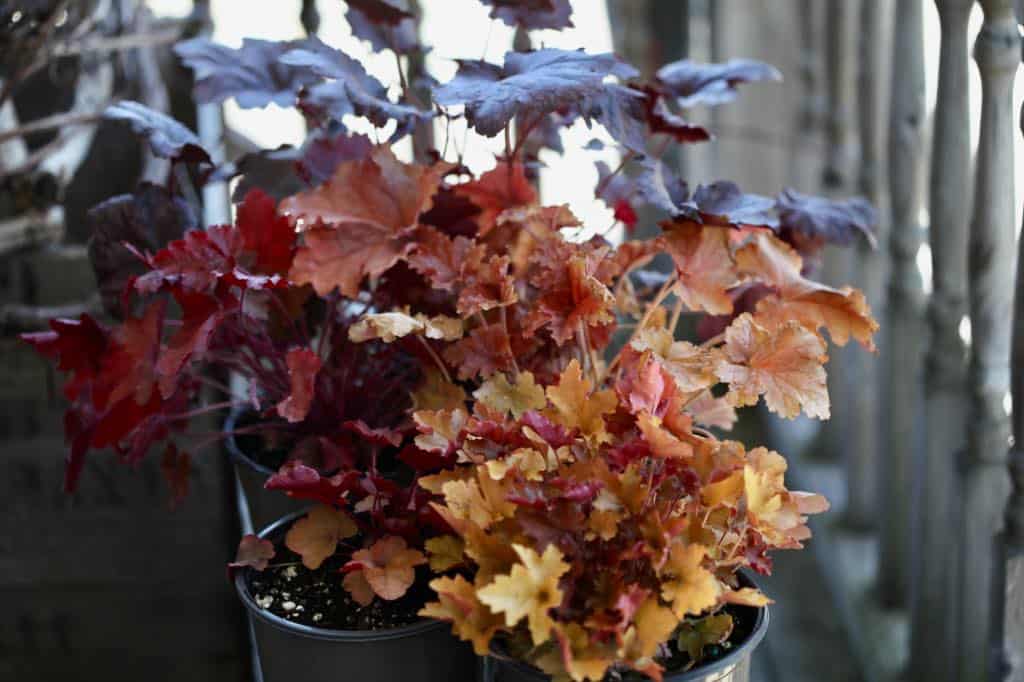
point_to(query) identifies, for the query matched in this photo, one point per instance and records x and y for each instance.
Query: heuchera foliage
(434, 349)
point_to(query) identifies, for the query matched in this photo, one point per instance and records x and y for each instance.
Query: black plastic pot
(289, 652)
(733, 667)
(266, 506)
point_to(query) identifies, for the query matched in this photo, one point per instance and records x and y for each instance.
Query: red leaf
(375, 436)
(202, 315)
(303, 482)
(176, 467)
(483, 352)
(499, 189)
(380, 11)
(78, 346)
(129, 368)
(303, 365)
(266, 234)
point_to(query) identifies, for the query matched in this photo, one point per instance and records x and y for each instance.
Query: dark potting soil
(317, 598)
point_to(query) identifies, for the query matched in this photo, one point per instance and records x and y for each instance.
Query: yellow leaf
(457, 603)
(575, 406)
(689, 586)
(746, 596)
(481, 501)
(528, 591)
(663, 443)
(522, 396)
(654, 625)
(315, 536)
(437, 393)
(785, 364)
(527, 461)
(439, 429)
(726, 491)
(445, 552)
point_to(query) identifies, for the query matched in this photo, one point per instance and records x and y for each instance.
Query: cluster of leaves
(434, 351)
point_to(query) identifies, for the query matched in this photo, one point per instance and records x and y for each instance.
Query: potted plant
(485, 402)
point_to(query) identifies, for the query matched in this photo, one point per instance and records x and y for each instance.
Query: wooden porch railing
(929, 461)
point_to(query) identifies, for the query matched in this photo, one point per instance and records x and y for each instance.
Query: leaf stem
(436, 358)
(663, 293)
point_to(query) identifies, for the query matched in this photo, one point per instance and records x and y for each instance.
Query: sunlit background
(461, 29)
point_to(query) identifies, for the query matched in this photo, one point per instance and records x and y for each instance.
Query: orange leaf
(389, 566)
(359, 589)
(576, 406)
(379, 193)
(357, 224)
(784, 364)
(303, 366)
(253, 551)
(843, 312)
(704, 265)
(315, 536)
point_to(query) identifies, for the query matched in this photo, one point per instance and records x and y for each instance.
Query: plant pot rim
(299, 630)
(695, 674)
(234, 451)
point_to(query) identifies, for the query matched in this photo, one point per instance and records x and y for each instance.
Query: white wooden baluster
(933, 617)
(865, 433)
(837, 179)
(990, 267)
(1010, 620)
(904, 324)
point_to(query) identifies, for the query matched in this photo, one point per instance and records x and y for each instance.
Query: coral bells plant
(476, 389)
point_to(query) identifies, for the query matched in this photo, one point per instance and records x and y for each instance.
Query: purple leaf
(286, 170)
(623, 114)
(253, 74)
(166, 137)
(532, 14)
(693, 83)
(530, 84)
(836, 222)
(350, 89)
(401, 38)
(148, 220)
(723, 202)
(383, 12)
(720, 203)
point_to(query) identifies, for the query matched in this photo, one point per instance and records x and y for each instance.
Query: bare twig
(65, 118)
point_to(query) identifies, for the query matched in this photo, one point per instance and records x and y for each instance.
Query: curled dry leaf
(315, 536)
(391, 326)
